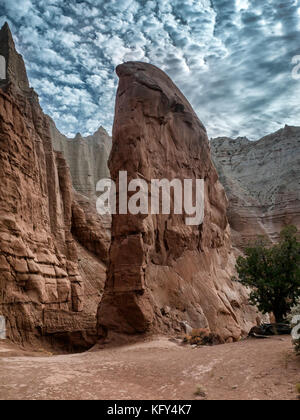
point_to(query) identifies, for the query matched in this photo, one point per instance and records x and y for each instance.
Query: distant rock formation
(86, 156)
(262, 182)
(162, 273)
(50, 285)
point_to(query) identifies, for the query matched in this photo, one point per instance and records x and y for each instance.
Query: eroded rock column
(164, 274)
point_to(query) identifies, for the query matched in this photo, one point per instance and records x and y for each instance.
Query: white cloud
(49, 56)
(70, 79)
(66, 20)
(242, 5)
(17, 8)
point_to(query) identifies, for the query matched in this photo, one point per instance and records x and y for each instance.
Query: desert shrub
(201, 337)
(273, 273)
(200, 392)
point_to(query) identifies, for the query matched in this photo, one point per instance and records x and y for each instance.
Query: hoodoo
(164, 274)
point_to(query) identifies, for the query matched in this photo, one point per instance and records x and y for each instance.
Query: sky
(232, 59)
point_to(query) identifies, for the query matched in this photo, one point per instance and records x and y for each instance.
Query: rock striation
(87, 157)
(164, 275)
(48, 287)
(262, 182)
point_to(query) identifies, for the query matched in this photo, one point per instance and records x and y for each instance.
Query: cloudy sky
(231, 58)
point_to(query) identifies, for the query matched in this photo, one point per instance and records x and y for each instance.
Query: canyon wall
(86, 156)
(164, 274)
(262, 182)
(50, 284)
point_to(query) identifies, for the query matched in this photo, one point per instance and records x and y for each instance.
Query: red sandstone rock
(89, 228)
(157, 261)
(42, 278)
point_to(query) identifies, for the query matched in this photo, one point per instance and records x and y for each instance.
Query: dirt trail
(157, 369)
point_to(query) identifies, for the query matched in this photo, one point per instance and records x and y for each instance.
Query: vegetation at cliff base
(273, 273)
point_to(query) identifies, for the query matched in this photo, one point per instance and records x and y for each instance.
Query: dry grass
(201, 337)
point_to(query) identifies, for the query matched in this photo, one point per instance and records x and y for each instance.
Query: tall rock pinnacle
(15, 67)
(162, 273)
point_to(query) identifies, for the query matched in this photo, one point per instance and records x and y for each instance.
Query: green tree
(273, 273)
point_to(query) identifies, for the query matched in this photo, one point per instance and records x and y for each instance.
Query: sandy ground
(158, 369)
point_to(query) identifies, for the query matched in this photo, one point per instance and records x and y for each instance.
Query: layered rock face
(164, 274)
(86, 156)
(48, 286)
(261, 180)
